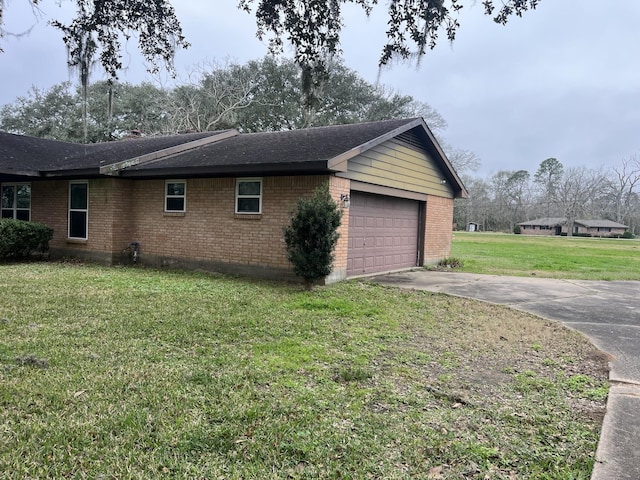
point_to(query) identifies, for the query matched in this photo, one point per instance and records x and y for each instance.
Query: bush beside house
(20, 239)
(312, 235)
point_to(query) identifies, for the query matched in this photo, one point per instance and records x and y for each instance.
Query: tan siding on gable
(396, 165)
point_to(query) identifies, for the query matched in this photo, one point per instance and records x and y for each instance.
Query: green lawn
(556, 257)
(119, 373)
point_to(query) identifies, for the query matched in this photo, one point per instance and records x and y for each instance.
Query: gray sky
(563, 81)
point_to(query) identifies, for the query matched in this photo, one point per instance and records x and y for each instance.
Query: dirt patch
(492, 354)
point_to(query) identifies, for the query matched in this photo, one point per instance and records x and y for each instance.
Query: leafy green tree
(49, 114)
(261, 95)
(100, 26)
(312, 235)
(143, 107)
(549, 175)
(57, 113)
(547, 179)
(345, 98)
(314, 27)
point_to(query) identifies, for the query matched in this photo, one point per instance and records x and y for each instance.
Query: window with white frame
(78, 210)
(175, 195)
(249, 195)
(16, 201)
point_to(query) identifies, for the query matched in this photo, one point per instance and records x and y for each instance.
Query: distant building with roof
(559, 226)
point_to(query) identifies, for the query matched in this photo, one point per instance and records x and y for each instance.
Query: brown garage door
(383, 233)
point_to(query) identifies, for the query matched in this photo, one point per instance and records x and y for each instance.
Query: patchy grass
(130, 373)
(555, 257)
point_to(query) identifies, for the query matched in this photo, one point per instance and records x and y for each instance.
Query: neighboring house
(220, 200)
(558, 226)
(543, 226)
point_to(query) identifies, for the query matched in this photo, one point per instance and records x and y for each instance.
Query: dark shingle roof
(556, 221)
(601, 223)
(22, 153)
(302, 149)
(546, 222)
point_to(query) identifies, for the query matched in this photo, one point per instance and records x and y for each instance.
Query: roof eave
(449, 171)
(19, 173)
(73, 173)
(308, 168)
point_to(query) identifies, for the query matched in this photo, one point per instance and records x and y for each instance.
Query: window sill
(248, 216)
(174, 214)
(78, 241)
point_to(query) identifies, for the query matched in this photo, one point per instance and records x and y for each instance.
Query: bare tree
(211, 97)
(464, 161)
(512, 193)
(623, 185)
(578, 190)
(477, 207)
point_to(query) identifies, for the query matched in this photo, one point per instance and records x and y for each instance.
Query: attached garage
(383, 233)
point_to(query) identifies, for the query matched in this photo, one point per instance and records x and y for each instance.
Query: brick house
(219, 200)
(558, 226)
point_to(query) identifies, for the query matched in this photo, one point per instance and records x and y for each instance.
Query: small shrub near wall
(20, 239)
(312, 235)
(451, 262)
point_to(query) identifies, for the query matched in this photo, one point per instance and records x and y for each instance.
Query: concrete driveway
(608, 313)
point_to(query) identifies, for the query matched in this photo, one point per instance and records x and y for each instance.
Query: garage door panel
(383, 233)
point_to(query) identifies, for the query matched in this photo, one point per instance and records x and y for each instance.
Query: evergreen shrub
(20, 239)
(312, 234)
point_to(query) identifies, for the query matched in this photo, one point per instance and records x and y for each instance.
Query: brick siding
(209, 229)
(209, 234)
(438, 229)
(527, 230)
(109, 217)
(337, 188)
(49, 206)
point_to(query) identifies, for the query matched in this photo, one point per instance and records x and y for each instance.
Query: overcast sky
(563, 81)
